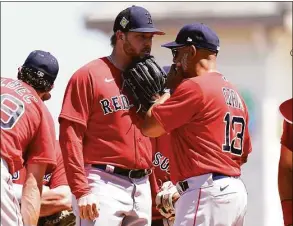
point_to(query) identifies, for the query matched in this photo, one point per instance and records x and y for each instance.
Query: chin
(143, 55)
(147, 53)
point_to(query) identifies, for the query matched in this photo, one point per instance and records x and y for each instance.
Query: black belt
(135, 174)
(158, 222)
(215, 176)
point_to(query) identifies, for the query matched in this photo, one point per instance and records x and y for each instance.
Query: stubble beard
(185, 64)
(131, 52)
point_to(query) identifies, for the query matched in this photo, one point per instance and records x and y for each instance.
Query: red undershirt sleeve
(71, 134)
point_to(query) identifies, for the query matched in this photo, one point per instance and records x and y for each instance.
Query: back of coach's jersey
(207, 119)
(24, 118)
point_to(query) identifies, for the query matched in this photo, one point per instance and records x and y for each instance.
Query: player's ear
(120, 35)
(192, 51)
(46, 96)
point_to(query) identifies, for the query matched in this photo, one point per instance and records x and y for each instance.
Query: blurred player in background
(285, 177)
(56, 195)
(27, 136)
(105, 155)
(164, 193)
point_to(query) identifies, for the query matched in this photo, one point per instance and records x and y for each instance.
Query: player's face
(137, 44)
(181, 55)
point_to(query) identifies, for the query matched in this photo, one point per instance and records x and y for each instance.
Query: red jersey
(52, 180)
(161, 173)
(287, 135)
(208, 122)
(27, 127)
(286, 111)
(93, 99)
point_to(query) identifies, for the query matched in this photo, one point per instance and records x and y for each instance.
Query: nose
(175, 59)
(148, 42)
(174, 54)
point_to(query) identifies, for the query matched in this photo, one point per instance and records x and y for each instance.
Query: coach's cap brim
(171, 45)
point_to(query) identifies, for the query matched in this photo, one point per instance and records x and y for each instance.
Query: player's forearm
(285, 190)
(18, 188)
(285, 173)
(30, 201)
(285, 183)
(74, 167)
(52, 206)
(72, 150)
(162, 99)
(55, 200)
(150, 126)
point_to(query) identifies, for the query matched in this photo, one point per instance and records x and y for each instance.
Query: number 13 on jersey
(234, 133)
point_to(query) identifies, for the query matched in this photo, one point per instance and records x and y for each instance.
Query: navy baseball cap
(197, 34)
(135, 19)
(44, 62)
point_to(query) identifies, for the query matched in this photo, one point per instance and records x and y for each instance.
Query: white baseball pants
(209, 202)
(10, 210)
(123, 201)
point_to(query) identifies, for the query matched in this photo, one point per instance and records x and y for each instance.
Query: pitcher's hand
(88, 206)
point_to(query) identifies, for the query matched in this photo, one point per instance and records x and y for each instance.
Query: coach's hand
(88, 206)
(175, 76)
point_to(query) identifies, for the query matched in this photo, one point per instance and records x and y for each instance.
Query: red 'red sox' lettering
(161, 161)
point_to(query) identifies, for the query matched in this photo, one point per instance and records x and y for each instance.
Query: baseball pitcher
(107, 159)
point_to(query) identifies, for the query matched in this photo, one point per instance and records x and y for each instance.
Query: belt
(215, 176)
(158, 222)
(134, 174)
(162, 222)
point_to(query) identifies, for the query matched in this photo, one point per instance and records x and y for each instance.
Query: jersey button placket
(139, 158)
